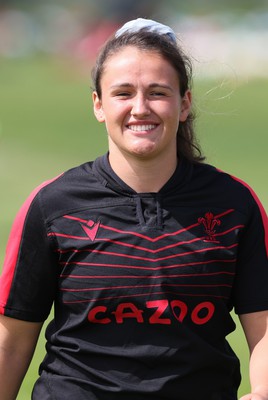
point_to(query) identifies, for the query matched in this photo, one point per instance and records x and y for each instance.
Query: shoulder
(56, 193)
(210, 174)
(68, 179)
(226, 187)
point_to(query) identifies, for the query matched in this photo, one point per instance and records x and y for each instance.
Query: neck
(143, 175)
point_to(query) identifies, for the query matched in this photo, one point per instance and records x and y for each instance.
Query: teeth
(139, 128)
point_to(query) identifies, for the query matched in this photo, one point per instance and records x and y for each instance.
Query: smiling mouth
(141, 128)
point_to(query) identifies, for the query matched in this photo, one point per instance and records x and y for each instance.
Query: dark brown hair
(187, 145)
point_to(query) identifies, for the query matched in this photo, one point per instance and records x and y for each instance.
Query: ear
(186, 104)
(97, 106)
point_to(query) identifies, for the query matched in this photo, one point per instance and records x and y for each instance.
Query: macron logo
(91, 228)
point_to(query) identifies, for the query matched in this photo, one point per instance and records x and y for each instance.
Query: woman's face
(141, 104)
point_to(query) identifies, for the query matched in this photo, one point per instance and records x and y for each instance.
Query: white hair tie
(150, 25)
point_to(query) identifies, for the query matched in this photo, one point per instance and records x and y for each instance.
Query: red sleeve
(261, 210)
(250, 290)
(25, 265)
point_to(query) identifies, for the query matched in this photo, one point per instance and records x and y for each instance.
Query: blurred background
(47, 50)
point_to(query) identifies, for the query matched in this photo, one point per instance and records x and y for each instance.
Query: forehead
(132, 60)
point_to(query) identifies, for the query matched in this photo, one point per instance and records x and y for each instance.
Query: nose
(140, 106)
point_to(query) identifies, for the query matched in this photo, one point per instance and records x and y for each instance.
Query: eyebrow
(152, 85)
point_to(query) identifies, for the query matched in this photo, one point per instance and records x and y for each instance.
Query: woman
(144, 252)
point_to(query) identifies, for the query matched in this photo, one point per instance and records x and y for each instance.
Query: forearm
(259, 369)
(17, 344)
(13, 367)
(256, 329)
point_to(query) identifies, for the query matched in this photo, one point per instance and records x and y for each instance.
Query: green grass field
(47, 126)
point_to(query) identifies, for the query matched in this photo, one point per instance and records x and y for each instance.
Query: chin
(144, 149)
(144, 153)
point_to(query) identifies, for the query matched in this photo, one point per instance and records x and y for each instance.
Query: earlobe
(97, 106)
(186, 105)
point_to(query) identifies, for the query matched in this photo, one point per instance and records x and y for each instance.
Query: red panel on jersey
(261, 208)
(13, 246)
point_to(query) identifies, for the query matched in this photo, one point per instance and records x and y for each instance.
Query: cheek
(172, 116)
(113, 107)
(114, 119)
(169, 110)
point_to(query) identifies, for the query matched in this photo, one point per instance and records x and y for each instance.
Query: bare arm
(255, 326)
(17, 344)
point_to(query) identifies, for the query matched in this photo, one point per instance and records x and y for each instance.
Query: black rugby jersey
(142, 284)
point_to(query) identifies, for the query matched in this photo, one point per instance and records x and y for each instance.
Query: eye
(123, 94)
(160, 91)
(157, 93)
(121, 91)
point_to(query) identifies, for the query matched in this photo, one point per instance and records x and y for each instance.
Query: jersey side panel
(261, 208)
(13, 246)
